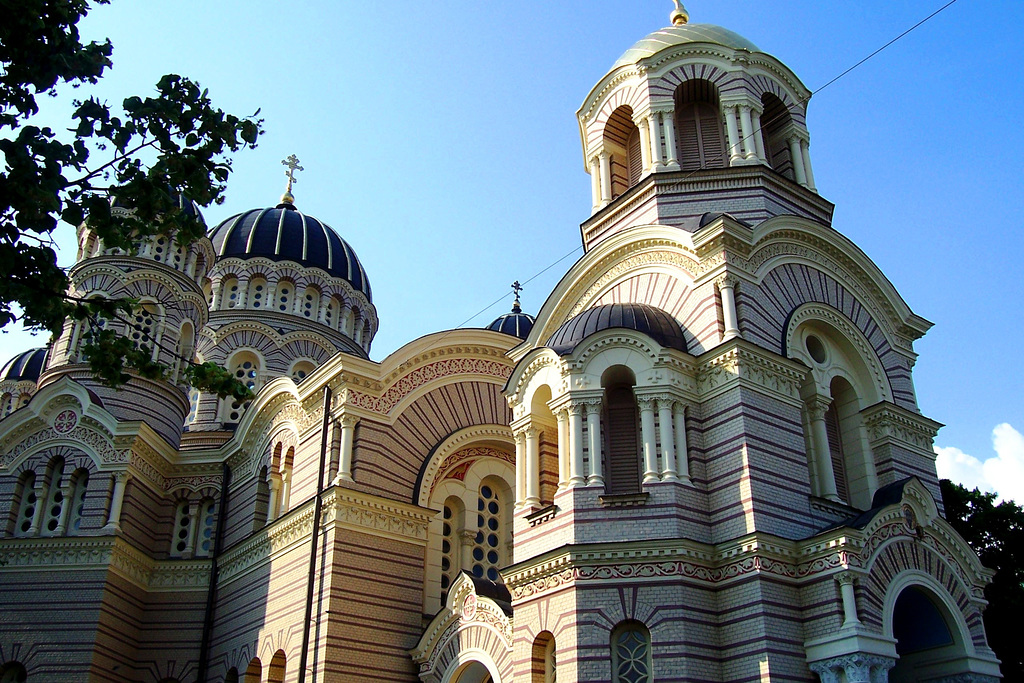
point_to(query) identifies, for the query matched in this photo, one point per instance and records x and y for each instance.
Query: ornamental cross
(516, 287)
(292, 162)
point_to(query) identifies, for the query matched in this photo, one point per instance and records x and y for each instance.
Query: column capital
(122, 476)
(348, 420)
(592, 406)
(727, 281)
(646, 403)
(467, 537)
(602, 155)
(845, 578)
(817, 406)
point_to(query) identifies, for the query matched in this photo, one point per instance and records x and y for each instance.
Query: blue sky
(440, 140)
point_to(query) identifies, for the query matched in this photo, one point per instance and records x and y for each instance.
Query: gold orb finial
(679, 15)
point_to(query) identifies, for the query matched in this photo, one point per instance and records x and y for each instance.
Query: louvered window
(835, 450)
(699, 132)
(623, 445)
(636, 163)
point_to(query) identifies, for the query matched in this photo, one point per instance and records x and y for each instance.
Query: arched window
(543, 667)
(631, 653)
(193, 405)
(28, 504)
(144, 326)
(182, 542)
(622, 143)
(621, 433)
(332, 312)
(207, 527)
(231, 676)
(286, 480)
(159, 250)
(275, 672)
(254, 672)
(6, 404)
(775, 121)
(453, 514)
(258, 292)
(310, 302)
(13, 672)
(701, 141)
(284, 296)
(186, 349)
(79, 488)
(229, 292)
(487, 544)
(844, 428)
(301, 369)
(54, 507)
(262, 501)
(245, 366)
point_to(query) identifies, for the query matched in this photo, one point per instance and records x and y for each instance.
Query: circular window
(815, 348)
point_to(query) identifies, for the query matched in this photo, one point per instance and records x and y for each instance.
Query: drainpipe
(317, 510)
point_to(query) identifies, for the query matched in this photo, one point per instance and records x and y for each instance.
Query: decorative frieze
(383, 404)
(888, 423)
(745, 363)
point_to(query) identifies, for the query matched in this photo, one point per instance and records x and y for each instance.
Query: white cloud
(1002, 474)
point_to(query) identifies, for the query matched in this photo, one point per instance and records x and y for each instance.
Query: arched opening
(275, 672)
(54, 509)
(245, 366)
(473, 672)
(254, 671)
(489, 543)
(332, 312)
(79, 488)
(181, 543)
(927, 643)
(846, 444)
(775, 121)
(27, 505)
(207, 527)
(286, 479)
(622, 436)
(284, 297)
(185, 351)
(622, 143)
(258, 292)
(231, 676)
(300, 370)
(453, 514)
(13, 672)
(144, 331)
(543, 420)
(261, 507)
(699, 134)
(229, 292)
(631, 653)
(543, 665)
(310, 302)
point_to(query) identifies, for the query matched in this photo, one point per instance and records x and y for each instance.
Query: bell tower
(695, 120)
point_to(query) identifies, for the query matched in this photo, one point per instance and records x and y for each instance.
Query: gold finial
(679, 15)
(292, 162)
(516, 287)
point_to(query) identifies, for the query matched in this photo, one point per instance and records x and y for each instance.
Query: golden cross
(292, 162)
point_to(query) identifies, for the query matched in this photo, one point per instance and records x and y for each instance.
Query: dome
(286, 234)
(516, 323)
(680, 35)
(654, 322)
(187, 206)
(25, 367)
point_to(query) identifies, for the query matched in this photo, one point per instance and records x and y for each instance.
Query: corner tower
(695, 119)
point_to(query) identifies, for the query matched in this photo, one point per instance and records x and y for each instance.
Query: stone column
(321, 312)
(846, 589)
(218, 293)
(274, 507)
(190, 264)
(758, 136)
(563, 448)
(467, 538)
(796, 157)
(668, 446)
(648, 437)
(520, 439)
(65, 507)
(805, 149)
(116, 501)
(286, 491)
(532, 467)
(727, 286)
(682, 452)
(735, 153)
(816, 408)
(577, 476)
(595, 182)
(243, 292)
(645, 143)
(596, 477)
(193, 531)
(747, 126)
(668, 118)
(605, 162)
(345, 327)
(657, 162)
(348, 428)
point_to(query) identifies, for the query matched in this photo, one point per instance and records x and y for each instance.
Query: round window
(815, 348)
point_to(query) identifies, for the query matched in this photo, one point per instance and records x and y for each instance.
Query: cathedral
(702, 459)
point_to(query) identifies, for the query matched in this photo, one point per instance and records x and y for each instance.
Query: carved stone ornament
(425, 374)
(854, 668)
(469, 607)
(65, 422)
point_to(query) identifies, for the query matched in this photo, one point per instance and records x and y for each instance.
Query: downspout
(317, 510)
(211, 592)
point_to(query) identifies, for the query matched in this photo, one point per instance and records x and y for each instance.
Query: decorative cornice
(746, 364)
(889, 423)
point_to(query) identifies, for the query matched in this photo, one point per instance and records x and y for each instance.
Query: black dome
(186, 205)
(286, 234)
(654, 322)
(25, 367)
(516, 323)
